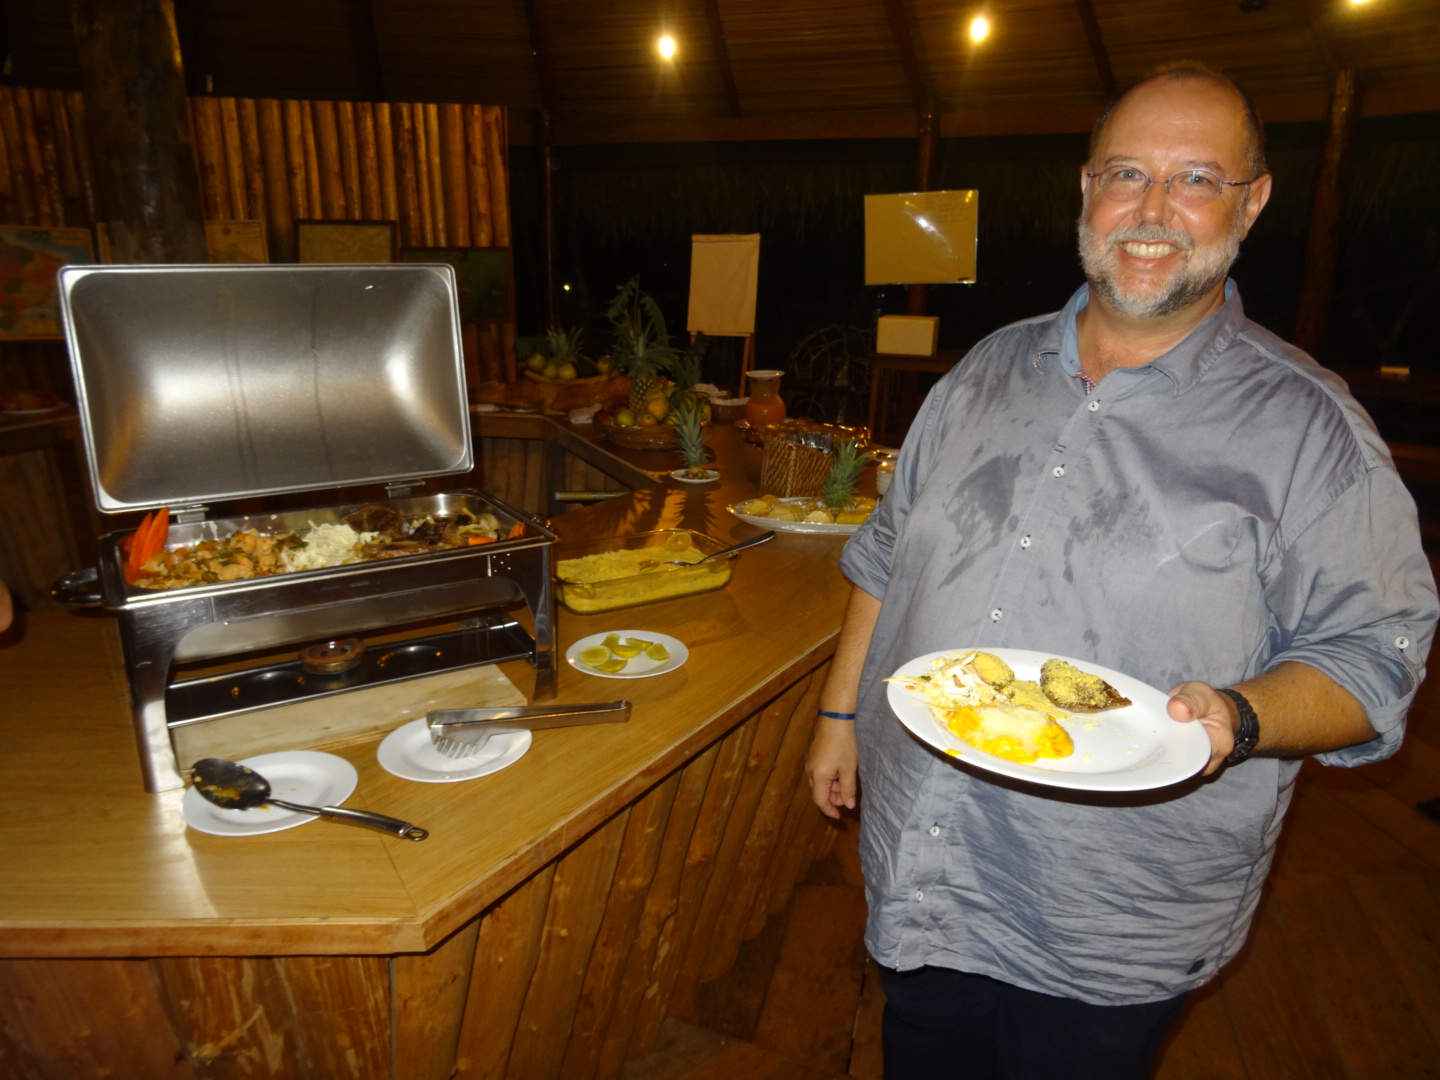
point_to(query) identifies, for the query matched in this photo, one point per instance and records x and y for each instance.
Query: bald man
(1150, 482)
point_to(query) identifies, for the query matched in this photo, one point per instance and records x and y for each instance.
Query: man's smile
(1154, 250)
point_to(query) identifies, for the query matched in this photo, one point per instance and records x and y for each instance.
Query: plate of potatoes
(803, 515)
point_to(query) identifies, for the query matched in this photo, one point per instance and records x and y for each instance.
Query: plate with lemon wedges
(627, 654)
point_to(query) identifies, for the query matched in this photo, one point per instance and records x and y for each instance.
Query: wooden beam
(1322, 245)
(722, 55)
(544, 62)
(900, 27)
(1097, 48)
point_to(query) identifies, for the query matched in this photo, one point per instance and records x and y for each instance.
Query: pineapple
(691, 437)
(642, 344)
(838, 490)
(563, 348)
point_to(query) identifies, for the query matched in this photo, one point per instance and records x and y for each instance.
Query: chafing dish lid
(205, 383)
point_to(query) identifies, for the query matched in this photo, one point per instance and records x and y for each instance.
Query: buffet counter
(559, 911)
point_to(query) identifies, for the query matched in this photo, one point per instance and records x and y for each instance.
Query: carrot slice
(516, 530)
(137, 542)
(474, 541)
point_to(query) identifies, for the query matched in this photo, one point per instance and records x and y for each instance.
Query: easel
(724, 278)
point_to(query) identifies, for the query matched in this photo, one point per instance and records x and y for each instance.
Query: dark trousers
(948, 1025)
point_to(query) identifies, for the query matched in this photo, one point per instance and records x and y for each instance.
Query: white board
(921, 238)
(724, 278)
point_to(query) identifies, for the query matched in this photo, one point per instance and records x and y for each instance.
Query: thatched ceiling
(775, 68)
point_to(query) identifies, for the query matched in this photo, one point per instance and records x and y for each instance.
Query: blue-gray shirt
(1209, 515)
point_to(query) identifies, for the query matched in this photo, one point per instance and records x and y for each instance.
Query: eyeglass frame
(1149, 182)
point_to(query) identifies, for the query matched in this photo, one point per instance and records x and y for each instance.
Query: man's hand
(830, 765)
(1201, 703)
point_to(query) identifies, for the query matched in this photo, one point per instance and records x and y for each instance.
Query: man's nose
(1154, 205)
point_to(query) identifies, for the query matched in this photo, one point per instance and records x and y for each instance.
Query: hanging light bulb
(979, 28)
(666, 47)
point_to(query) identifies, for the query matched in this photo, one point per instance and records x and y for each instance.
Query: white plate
(679, 474)
(818, 528)
(408, 753)
(302, 776)
(641, 666)
(1134, 748)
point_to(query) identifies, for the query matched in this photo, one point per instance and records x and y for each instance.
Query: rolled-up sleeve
(1355, 598)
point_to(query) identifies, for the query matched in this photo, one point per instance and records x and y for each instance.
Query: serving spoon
(234, 786)
(754, 541)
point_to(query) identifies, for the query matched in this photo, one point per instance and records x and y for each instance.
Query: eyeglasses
(1188, 187)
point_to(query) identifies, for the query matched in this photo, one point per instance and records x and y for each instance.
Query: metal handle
(394, 826)
(754, 541)
(80, 589)
(534, 717)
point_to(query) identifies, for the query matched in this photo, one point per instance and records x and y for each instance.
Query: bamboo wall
(438, 171)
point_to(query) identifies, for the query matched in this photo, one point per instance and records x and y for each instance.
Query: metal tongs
(459, 733)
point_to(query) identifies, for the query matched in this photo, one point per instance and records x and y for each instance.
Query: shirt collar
(1183, 365)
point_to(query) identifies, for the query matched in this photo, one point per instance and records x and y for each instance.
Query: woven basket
(790, 470)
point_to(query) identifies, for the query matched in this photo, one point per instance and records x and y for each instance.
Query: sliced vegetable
(516, 531)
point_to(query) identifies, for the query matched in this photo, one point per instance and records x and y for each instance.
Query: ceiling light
(666, 47)
(979, 28)
(1356, 3)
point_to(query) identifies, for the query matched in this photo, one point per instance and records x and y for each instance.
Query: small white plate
(679, 474)
(408, 753)
(816, 528)
(639, 667)
(1134, 748)
(302, 776)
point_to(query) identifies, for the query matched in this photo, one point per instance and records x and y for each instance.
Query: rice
(326, 545)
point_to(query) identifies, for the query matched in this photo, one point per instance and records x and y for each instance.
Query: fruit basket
(654, 437)
(545, 380)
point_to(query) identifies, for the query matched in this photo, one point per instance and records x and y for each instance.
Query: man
(1148, 482)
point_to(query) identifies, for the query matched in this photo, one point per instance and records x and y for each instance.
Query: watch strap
(1247, 735)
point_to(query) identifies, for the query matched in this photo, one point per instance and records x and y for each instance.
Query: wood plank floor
(1340, 979)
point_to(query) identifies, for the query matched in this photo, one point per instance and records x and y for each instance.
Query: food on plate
(1014, 732)
(1070, 688)
(370, 533)
(1008, 720)
(613, 655)
(813, 510)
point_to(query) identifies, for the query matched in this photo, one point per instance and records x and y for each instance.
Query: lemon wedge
(639, 641)
(657, 652)
(627, 649)
(594, 656)
(611, 640)
(610, 667)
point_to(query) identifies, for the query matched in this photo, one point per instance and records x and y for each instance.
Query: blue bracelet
(837, 715)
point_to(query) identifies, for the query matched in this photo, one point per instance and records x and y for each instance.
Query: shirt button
(995, 615)
(934, 830)
(1402, 643)
(919, 895)
(1058, 471)
(1094, 406)
(1025, 541)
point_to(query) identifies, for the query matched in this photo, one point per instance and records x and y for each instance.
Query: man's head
(1149, 251)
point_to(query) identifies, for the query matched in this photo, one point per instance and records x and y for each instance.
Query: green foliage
(686, 371)
(642, 346)
(689, 433)
(839, 485)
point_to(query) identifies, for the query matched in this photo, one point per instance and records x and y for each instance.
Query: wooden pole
(925, 181)
(547, 217)
(1323, 242)
(139, 121)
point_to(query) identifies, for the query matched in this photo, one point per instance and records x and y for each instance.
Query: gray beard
(1196, 277)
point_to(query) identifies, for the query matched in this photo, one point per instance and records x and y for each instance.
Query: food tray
(662, 583)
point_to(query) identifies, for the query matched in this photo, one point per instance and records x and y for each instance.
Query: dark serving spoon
(239, 787)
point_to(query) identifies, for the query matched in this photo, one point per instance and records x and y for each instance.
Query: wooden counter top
(94, 866)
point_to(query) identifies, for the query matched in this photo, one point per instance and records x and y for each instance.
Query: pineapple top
(839, 485)
(642, 343)
(689, 433)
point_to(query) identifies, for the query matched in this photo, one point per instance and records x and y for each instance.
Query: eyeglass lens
(1189, 187)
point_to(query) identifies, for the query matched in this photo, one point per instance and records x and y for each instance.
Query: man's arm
(830, 764)
(1301, 711)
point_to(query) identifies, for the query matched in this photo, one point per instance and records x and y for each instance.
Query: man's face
(1152, 257)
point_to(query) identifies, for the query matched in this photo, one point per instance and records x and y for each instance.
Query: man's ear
(1258, 195)
(1084, 176)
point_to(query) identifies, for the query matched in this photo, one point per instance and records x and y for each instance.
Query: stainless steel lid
(204, 383)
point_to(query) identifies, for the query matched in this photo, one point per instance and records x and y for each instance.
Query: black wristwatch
(1248, 733)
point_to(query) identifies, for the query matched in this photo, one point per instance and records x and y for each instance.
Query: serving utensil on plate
(233, 786)
(754, 541)
(459, 733)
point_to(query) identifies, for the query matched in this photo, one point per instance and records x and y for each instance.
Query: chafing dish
(198, 385)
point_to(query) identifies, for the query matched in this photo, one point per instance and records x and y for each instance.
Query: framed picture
(483, 276)
(29, 294)
(318, 241)
(236, 242)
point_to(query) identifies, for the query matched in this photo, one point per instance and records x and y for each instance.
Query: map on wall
(30, 258)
